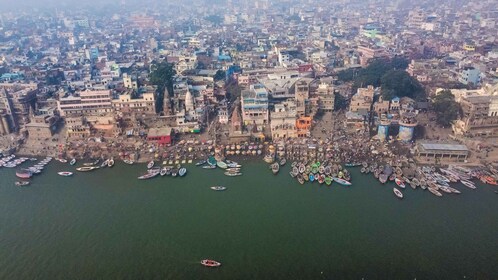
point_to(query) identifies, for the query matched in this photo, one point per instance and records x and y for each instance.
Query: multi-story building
(480, 116)
(17, 105)
(255, 106)
(90, 101)
(361, 102)
(301, 95)
(283, 121)
(326, 97)
(143, 105)
(470, 75)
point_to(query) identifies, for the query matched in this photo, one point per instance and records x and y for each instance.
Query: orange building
(303, 126)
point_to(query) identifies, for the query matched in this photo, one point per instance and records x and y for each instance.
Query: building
(42, 128)
(470, 75)
(480, 116)
(326, 97)
(223, 115)
(77, 128)
(283, 121)
(145, 104)
(450, 152)
(160, 136)
(255, 106)
(17, 105)
(301, 96)
(87, 102)
(303, 126)
(361, 102)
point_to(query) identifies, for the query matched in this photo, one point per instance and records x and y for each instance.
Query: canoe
(398, 193)
(210, 263)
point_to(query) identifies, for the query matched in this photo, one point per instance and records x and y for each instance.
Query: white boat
(163, 171)
(398, 193)
(468, 184)
(62, 160)
(148, 175)
(127, 161)
(73, 161)
(222, 165)
(434, 192)
(86, 168)
(105, 163)
(218, 188)
(399, 183)
(150, 164)
(230, 174)
(209, 167)
(65, 173)
(342, 181)
(22, 183)
(182, 171)
(110, 163)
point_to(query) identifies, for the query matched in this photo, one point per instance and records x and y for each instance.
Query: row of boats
(231, 168)
(163, 171)
(320, 172)
(27, 173)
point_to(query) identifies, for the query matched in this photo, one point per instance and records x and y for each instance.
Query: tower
(189, 102)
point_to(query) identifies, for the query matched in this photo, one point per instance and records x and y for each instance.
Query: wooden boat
(148, 175)
(342, 181)
(24, 174)
(312, 177)
(398, 193)
(283, 161)
(300, 179)
(434, 192)
(65, 173)
(182, 171)
(110, 163)
(105, 163)
(301, 168)
(468, 184)
(400, 183)
(232, 174)
(328, 180)
(275, 168)
(127, 161)
(222, 165)
(210, 263)
(218, 188)
(61, 160)
(163, 171)
(202, 162)
(150, 164)
(209, 167)
(453, 190)
(321, 179)
(22, 183)
(73, 161)
(383, 178)
(86, 168)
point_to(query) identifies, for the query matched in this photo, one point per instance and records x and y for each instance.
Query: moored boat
(202, 162)
(150, 164)
(434, 192)
(275, 167)
(127, 161)
(110, 163)
(73, 161)
(65, 173)
(86, 168)
(209, 167)
(232, 174)
(24, 174)
(182, 171)
(400, 183)
(218, 188)
(148, 175)
(468, 184)
(22, 183)
(105, 163)
(283, 161)
(342, 181)
(222, 165)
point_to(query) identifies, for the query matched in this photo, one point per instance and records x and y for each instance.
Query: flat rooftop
(443, 147)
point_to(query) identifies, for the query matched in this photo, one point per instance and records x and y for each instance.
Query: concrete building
(255, 106)
(450, 152)
(326, 97)
(470, 75)
(42, 128)
(128, 105)
(90, 101)
(361, 102)
(283, 121)
(159, 136)
(301, 96)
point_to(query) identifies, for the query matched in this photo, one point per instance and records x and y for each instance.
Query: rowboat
(312, 177)
(342, 181)
(300, 179)
(210, 263)
(73, 161)
(398, 193)
(174, 172)
(383, 178)
(182, 171)
(275, 168)
(150, 164)
(283, 162)
(434, 192)
(105, 163)
(328, 180)
(22, 183)
(231, 174)
(86, 168)
(127, 161)
(24, 174)
(61, 160)
(222, 165)
(148, 175)
(65, 173)
(301, 168)
(202, 162)
(468, 184)
(209, 167)
(321, 179)
(399, 183)
(110, 163)
(218, 188)
(163, 171)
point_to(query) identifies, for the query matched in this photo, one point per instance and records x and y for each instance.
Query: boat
(96, 162)
(312, 177)
(434, 192)
(268, 159)
(275, 168)
(86, 168)
(468, 184)
(400, 183)
(453, 190)
(33, 159)
(301, 168)
(283, 161)
(110, 163)
(218, 188)
(202, 162)
(210, 263)
(127, 161)
(211, 160)
(398, 193)
(163, 171)
(209, 167)
(328, 180)
(232, 174)
(174, 172)
(150, 164)
(61, 160)
(342, 181)
(22, 183)
(148, 175)
(182, 171)
(300, 179)
(233, 165)
(73, 161)
(88, 164)
(24, 174)
(222, 165)
(321, 179)
(65, 173)
(105, 163)
(383, 178)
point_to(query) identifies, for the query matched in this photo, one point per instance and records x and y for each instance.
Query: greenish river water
(109, 225)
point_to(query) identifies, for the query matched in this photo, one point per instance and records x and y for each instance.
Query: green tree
(340, 102)
(446, 108)
(161, 75)
(401, 84)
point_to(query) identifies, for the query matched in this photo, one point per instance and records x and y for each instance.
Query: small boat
(73, 161)
(211, 160)
(174, 172)
(182, 171)
(275, 168)
(33, 159)
(86, 168)
(202, 162)
(468, 184)
(65, 173)
(400, 183)
(209, 167)
(222, 165)
(105, 163)
(127, 161)
(398, 193)
(96, 162)
(383, 178)
(283, 161)
(22, 183)
(218, 188)
(24, 174)
(312, 177)
(342, 181)
(210, 263)
(88, 164)
(163, 171)
(62, 160)
(150, 164)
(321, 179)
(434, 192)
(148, 175)
(300, 179)
(453, 190)
(232, 174)
(110, 163)
(328, 180)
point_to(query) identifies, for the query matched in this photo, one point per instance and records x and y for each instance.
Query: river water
(107, 224)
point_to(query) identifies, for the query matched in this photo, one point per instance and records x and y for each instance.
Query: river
(106, 224)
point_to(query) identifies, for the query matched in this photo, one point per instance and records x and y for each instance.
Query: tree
(340, 102)
(400, 83)
(446, 108)
(220, 75)
(161, 75)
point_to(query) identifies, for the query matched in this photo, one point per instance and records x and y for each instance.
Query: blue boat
(211, 160)
(182, 171)
(312, 177)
